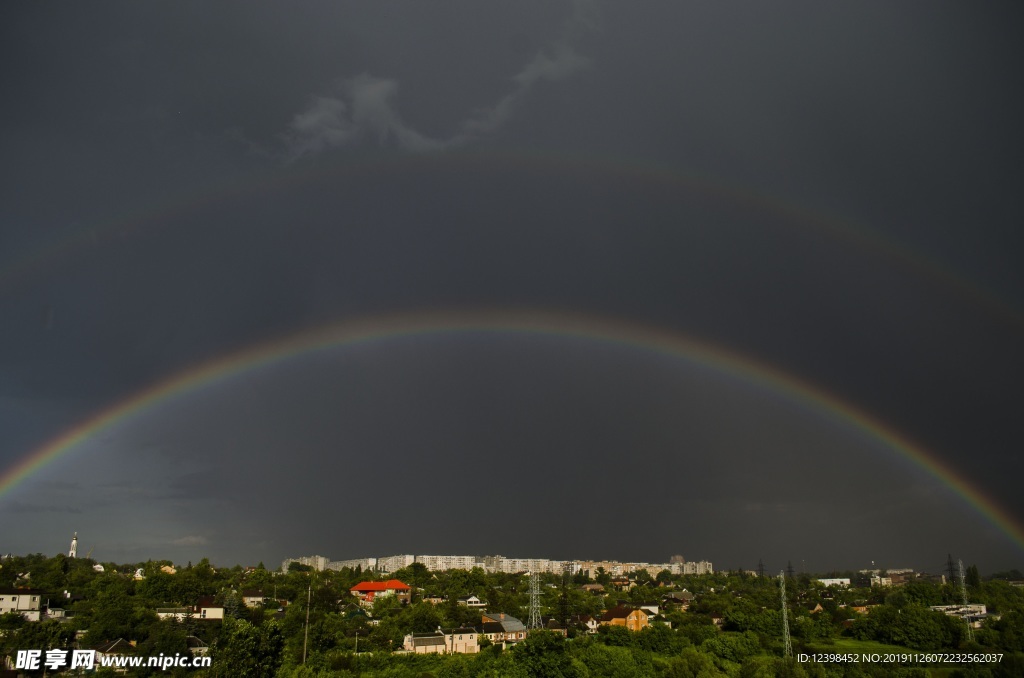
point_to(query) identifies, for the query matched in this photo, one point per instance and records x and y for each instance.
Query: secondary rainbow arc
(523, 322)
(650, 173)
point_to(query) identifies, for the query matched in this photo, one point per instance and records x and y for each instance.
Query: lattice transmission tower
(785, 616)
(534, 621)
(963, 595)
(563, 599)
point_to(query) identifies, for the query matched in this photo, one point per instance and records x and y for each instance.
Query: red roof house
(368, 591)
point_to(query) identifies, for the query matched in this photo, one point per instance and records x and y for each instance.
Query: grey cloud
(562, 62)
(324, 124)
(365, 109)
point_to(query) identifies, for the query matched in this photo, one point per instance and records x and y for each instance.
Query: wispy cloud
(363, 111)
(190, 540)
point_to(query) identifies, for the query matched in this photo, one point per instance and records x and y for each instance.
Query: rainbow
(612, 331)
(649, 174)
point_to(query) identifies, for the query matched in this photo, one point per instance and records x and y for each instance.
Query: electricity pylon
(785, 616)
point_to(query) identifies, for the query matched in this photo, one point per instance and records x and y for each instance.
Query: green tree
(972, 577)
(247, 651)
(542, 653)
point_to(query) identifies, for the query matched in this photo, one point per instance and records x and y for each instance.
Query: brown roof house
(632, 618)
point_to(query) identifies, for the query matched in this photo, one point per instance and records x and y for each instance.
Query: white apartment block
(441, 563)
(318, 563)
(697, 567)
(843, 583)
(438, 563)
(360, 563)
(392, 563)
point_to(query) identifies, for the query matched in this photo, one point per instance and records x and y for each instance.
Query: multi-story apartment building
(356, 563)
(698, 567)
(318, 563)
(505, 565)
(441, 563)
(26, 602)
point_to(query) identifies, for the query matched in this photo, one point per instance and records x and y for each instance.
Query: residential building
(472, 602)
(253, 598)
(392, 563)
(589, 623)
(678, 599)
(318, 563)
(972, 613)
(425, 643)
(843, 583)
(443, 641)
(502, 628)
(113, 648)
(368, 591)
(698, 567)
(27, 602)
(442, 563)
(361, 564)
(463, 640)
(633, 619)
(207, 608)
(179, 613)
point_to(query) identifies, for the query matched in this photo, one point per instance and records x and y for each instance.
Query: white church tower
(73, 552)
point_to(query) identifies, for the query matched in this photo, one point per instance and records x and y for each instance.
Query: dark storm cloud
(130, 121)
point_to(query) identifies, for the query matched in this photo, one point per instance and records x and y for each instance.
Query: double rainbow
(524, 323)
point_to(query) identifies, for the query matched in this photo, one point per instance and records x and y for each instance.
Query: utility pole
(305, 640)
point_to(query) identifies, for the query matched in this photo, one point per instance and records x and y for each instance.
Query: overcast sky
(829, 191)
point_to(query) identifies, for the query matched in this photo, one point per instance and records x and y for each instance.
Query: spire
(73, 552)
